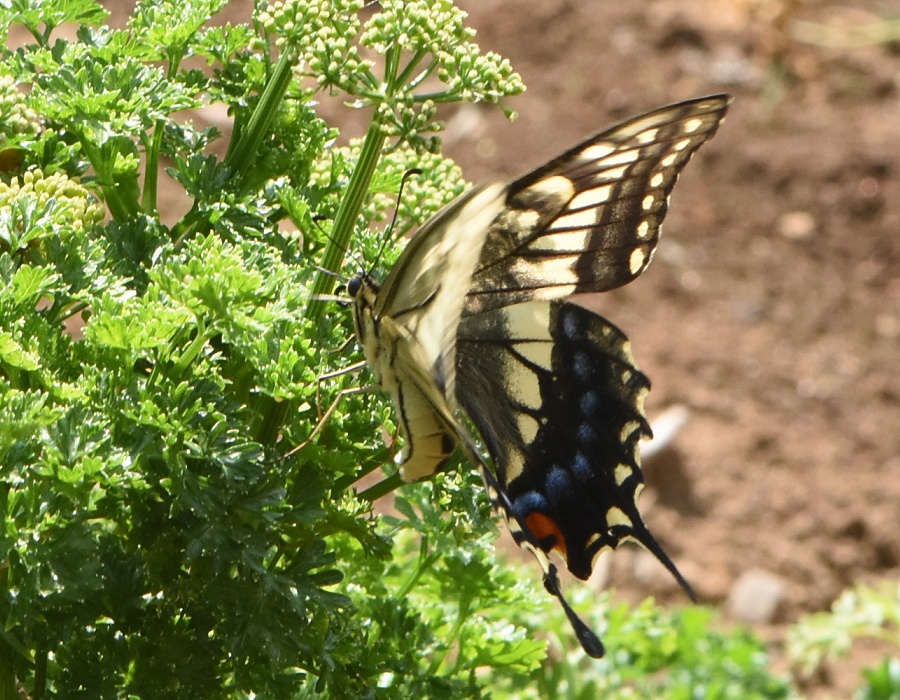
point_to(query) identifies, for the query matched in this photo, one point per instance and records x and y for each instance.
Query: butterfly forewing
(589, 220)
(407, 328)
(426, 288)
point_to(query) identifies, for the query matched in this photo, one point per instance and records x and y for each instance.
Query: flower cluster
(55, 195)
(16, 116)
(416, 25)
(440, 182)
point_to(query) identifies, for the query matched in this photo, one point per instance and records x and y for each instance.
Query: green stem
(413, 84)
(414, 62)
(151, 173)
(425, 562)
(382, 488)
(462, 615)
(348, 213)
(7, 681)
(189, 224)
(242, 151)
(273, 412)
(120, 207)
(40, 676)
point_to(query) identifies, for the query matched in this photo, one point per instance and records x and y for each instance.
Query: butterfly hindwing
(555, 393)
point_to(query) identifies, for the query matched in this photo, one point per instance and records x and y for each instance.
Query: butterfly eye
(354, 285)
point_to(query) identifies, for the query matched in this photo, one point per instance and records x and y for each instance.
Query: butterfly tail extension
(642, 535)
(526, 539)
(588, 639)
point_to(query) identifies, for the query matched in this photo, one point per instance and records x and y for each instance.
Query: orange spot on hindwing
(547, 532)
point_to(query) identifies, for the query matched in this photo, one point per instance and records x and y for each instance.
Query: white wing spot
(612, 175)
(537, 352)
(681, 145)
(636, 261)
(526, 219)
(616, 516)
(571, 241)
(528, 427)
(648, 202)
(656, 180)
(648, 136)
(627, 431)
(622, 157)
(596, 151)
(515, 465)
(591, 198)
(647, 122)
(643, 229)
(556, 188)
(691, 125)
(639, 398)
(622, 473)
(529, 320)
(580, 219)
(669, 160)
(524, 387)
(558, 268)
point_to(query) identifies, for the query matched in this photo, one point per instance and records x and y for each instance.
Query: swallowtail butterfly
(474, 319)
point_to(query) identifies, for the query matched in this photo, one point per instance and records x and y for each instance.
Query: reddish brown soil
(772, 310)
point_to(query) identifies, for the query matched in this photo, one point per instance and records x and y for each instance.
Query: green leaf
(53, 13)
(29, 283)
(883, 682)
(12, 354)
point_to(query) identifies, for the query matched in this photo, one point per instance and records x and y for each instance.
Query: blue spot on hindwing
(589, 402)
(581, 365)
(587, 436)
(581, 467)
(559, 485)
(570, 326)
(529, 502)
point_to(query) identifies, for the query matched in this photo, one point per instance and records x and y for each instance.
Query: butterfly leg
(323, 418)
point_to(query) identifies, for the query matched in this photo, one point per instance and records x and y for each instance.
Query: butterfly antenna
(389, 233)
(332, 273)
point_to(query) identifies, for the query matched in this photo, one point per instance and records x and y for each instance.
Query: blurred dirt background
(772, 310)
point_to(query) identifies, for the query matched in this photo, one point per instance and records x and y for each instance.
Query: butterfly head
(362, 289)
(354, 285)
